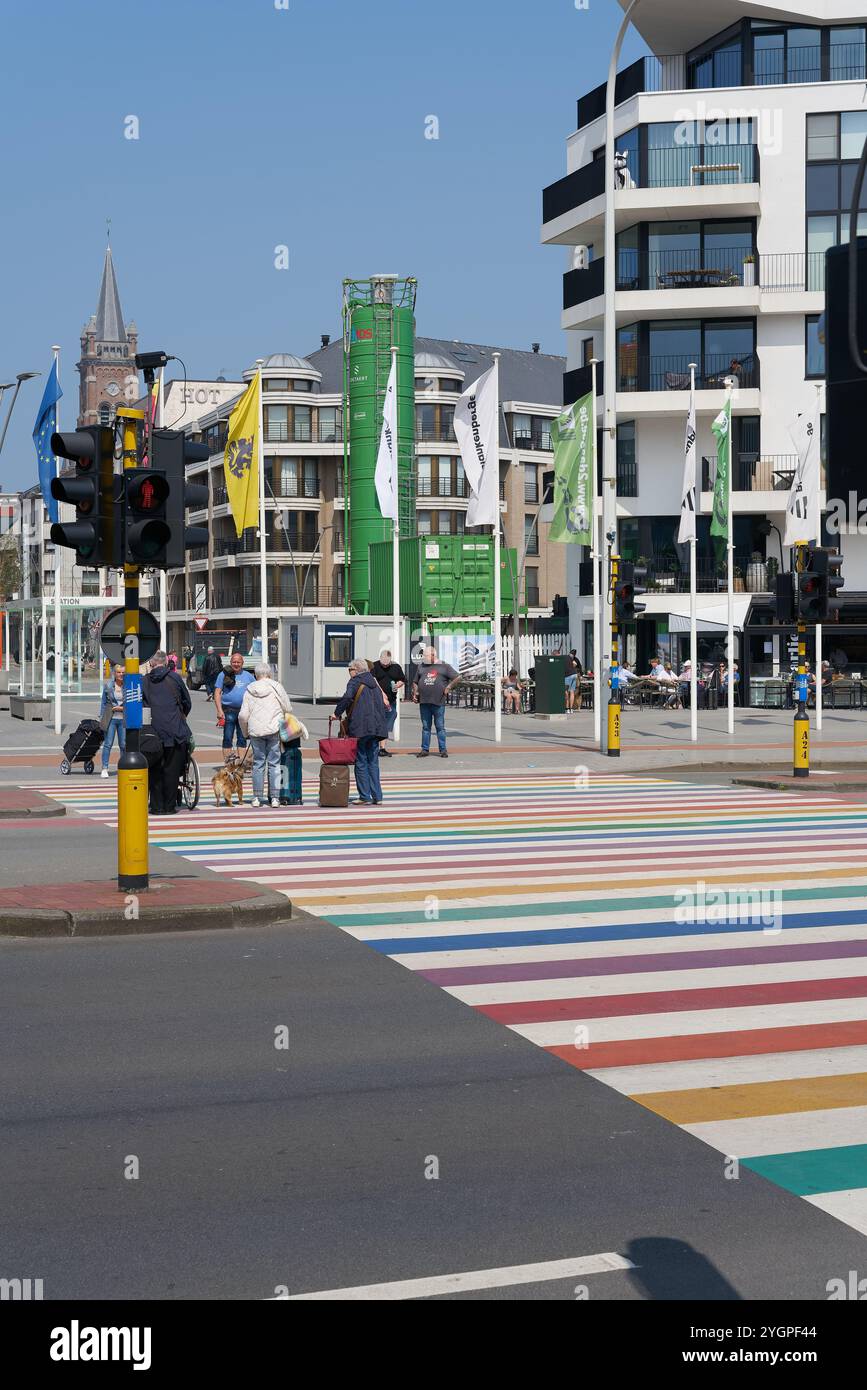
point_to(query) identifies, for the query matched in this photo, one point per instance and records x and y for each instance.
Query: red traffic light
(146, 490)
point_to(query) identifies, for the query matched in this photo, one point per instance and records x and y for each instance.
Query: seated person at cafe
(512, 688)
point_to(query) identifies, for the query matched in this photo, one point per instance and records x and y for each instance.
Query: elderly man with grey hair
(264, 704)
(433, 681)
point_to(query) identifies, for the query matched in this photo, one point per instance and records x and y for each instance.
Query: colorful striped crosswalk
(700, 949)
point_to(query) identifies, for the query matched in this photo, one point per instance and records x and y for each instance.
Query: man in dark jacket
(169, 702)
(368, 722)
(211, 668)
(391, 680)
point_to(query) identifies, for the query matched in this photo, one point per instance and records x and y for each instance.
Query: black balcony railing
(842, 62)
(581, 285)
(752, 472)
(442, 435)
(297, 487)
(627, 477)
(578, 382)
(666, 575)
(573, 190)
(672, 373)
(198, 552)
(219, 497)
(686, 268)
(539, 441)
(443, 487)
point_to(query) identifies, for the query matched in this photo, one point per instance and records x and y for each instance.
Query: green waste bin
(550, 684)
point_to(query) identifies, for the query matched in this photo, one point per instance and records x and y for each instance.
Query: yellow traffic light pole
(614, 697)
(132, 774)
(801, 733)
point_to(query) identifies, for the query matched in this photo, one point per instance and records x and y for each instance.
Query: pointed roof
(109, 316)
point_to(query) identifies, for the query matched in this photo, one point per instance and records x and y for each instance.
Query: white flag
(385, 476)
(802, 508)
(687, 502)
(477, 430)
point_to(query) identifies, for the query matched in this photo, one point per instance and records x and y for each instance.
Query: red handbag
(341, 751)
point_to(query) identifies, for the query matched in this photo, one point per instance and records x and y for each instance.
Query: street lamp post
(329, 527)
(609, 341)
(22, 376)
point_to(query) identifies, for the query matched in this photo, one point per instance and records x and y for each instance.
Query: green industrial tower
(377, 314)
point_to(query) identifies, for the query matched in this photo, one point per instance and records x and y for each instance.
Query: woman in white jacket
(263, 707)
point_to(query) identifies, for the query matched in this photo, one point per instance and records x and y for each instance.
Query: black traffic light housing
(826, 565)
(146, 531)
(784, 599)
(846, 396)
(630, 579)
(90, 489)
(172, 451)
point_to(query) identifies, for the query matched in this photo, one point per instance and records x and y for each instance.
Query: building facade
(739, 137)
(305, 499)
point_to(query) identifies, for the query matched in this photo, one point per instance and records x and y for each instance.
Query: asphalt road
(263, 1169)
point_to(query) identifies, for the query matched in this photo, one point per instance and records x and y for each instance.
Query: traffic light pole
(801, 732)
(614, 697)
(132, 772)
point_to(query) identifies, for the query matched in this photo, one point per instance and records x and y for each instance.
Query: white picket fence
(537, 644)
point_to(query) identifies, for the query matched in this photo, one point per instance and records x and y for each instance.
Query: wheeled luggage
(334, 785)
(290, 779)
(82, 746)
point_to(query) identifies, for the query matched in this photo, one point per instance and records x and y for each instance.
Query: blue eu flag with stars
(46, 424)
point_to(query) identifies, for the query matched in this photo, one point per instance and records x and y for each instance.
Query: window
(424, 476)
(276, 424)
(522, 431)
(339, 644)
(449, 384)
(288, 480)
(822, 136)
(301, 384)
(275, 383)
(853, 130)
(531, 534)
(815, 351)
(587, 351)
(302, 416)
(425, 421)
(328, 432)
(531, 585)
(847, 55)
(627, 470)
(424, 523)
(531, 483)
(823, 187)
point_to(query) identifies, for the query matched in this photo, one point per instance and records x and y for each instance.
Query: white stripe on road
(474, 1279)
(849, 1206)
(790, 1133)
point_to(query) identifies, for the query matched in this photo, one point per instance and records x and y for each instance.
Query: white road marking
(502, 1278)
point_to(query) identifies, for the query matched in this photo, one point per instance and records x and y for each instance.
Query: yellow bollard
(613, 729)
(801, 747)
(132, 822)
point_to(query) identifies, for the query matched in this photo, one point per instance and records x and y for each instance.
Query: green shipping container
(442, 577)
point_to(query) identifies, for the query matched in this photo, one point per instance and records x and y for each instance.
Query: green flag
(572, 433)
(722, 432)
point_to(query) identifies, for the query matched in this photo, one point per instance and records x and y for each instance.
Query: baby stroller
(82, 746)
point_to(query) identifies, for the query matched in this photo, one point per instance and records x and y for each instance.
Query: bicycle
(189, 787)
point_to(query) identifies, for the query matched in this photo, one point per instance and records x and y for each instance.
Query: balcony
(306, 488)
(572, 191)
(672, 373)
(695, 166)
(840, 62)
(538, 442)
(578, 381)
(444, 487)
(443, 435)
(665, 574)
(754, 472)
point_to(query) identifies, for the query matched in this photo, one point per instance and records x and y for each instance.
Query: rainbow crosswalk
(701, 949)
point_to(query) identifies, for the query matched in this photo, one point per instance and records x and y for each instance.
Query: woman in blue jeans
(112, 698)
(368, 722)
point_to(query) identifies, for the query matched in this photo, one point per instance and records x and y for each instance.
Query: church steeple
(107, 374)
(109, 316)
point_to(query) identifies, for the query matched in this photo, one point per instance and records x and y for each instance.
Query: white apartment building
(741, 135)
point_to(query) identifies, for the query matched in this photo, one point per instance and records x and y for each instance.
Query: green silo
(377, 313)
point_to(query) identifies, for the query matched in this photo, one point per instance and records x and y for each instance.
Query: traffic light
(172, 451)
(846, 395)
(90, 491)
(784, 608)
(818, 584)
(629, 584)
(146, 529)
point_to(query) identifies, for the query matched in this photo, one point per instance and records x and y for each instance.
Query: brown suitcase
(333, 785)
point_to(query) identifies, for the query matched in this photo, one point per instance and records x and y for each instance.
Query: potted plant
(749, 269)
(738, 580)
(772, 565)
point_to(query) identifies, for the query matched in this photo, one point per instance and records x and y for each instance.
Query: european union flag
(46, 424)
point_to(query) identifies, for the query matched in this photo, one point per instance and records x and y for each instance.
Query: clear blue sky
(261, 127)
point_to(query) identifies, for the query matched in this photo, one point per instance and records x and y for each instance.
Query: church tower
(106, 373)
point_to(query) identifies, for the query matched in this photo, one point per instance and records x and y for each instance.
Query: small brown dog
(228, 781)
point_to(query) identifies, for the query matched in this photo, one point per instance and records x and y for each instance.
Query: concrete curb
(262, 910)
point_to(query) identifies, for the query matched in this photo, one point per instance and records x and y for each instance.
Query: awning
(714, 617)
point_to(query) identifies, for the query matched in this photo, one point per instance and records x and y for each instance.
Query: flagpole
(594, 557)
(164, 578)
(42, 512)
(730, 581)
(817, 654)
(395, 544)
(498, 639)
(693, 625)
(58, 662)
(263, 562)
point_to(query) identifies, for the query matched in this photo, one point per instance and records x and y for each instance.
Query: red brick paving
(87, 894)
